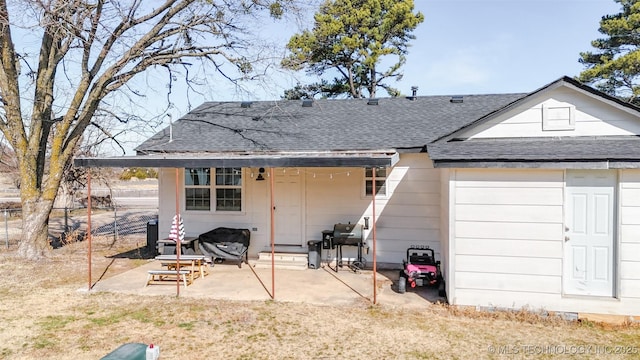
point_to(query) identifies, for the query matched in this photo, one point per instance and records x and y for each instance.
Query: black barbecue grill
(345, 235)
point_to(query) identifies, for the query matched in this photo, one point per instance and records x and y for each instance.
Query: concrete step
(291, 261)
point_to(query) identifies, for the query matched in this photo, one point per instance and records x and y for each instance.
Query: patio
(248, 283)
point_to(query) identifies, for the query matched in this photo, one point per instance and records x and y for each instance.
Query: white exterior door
(289, 196)
(589, 233)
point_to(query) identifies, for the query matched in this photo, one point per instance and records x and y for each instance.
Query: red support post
(178, 245)
(373, 218)
(89, 225)
(273, 208)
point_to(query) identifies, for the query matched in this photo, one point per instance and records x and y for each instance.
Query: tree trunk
(34, 244)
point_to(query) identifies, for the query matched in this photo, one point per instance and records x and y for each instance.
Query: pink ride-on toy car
(420, 269)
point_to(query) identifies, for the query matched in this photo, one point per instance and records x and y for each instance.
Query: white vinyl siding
(630, 234)
(508, 228)
(408, 215)
(588, 117)
(509, 250)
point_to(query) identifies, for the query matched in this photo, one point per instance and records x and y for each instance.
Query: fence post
(115, 223)
(6, 228)
(66, 220)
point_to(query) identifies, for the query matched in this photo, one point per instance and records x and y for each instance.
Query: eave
(228, 160)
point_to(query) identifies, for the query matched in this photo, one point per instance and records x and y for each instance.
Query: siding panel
(592, 118)
(630, 289)
(509, 231)
(630, 270)
(509, 265)
(509, 178)
(630, 233)
(509, 213)
(630, 216)
(629, 251)
(409, 214)
(508, 282)
(509, 196)
(525, 248)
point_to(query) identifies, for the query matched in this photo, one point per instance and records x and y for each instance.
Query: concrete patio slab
(322, 286)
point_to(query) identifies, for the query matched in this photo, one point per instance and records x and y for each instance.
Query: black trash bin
(315, 248)
(152, 235)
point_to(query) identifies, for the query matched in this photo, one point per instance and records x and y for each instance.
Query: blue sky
(463, 47)
(498, 46)
(472, 47)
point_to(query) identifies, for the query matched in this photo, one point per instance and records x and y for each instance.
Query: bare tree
(89, 52)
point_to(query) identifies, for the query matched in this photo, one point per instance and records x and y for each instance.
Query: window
(227, 189)
(197, 187)
(381, 178)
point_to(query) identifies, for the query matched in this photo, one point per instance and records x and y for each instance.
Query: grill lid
(347, 233)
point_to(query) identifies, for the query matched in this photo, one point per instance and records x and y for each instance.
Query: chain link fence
(66, 225)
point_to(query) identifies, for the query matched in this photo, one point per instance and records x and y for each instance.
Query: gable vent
(457, 99)
(372, 101)
(307, 102)
(246, 104)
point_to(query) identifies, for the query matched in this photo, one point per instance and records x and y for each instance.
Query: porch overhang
(540, 164)
(226, 160)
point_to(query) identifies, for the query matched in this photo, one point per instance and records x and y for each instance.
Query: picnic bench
(168, 275)
(191, 267)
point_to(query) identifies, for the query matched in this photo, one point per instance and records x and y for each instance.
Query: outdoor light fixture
(260, 172)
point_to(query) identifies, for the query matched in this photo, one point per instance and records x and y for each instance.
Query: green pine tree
(348, 41)
(614, 67)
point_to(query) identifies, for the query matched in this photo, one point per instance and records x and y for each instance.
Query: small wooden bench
(196, 264)
(164, 275)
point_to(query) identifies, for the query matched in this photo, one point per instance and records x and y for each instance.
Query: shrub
(139, 173)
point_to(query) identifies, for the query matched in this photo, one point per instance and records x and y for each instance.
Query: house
(528, 199)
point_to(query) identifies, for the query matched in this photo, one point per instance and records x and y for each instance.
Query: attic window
(307, 102)
(558, 117)
(372, 102)
(457, 99)
(246, 104)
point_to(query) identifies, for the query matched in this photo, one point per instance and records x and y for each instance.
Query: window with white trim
(381, 181)
(197, 189)
(226, 189)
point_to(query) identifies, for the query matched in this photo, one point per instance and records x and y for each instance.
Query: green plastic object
(129, 351)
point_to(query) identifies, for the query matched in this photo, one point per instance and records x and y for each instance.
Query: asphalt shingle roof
(558, 149)
(329, 125)
(394, 124)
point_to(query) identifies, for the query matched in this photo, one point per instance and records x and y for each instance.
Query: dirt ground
(46, 313)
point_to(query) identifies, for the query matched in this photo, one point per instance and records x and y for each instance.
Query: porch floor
(322, 286)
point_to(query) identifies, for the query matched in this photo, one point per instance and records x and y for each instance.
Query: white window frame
(216, 187)
(213, 188)
(369, 179)
(199, 186)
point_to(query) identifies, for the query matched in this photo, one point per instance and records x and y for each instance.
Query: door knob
(566, 238)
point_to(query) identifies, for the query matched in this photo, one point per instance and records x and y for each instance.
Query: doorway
(589, 247)
(289, 206)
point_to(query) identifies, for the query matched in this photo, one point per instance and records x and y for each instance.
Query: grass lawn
(44, 316)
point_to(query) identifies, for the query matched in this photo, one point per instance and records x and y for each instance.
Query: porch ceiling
(195, 160)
